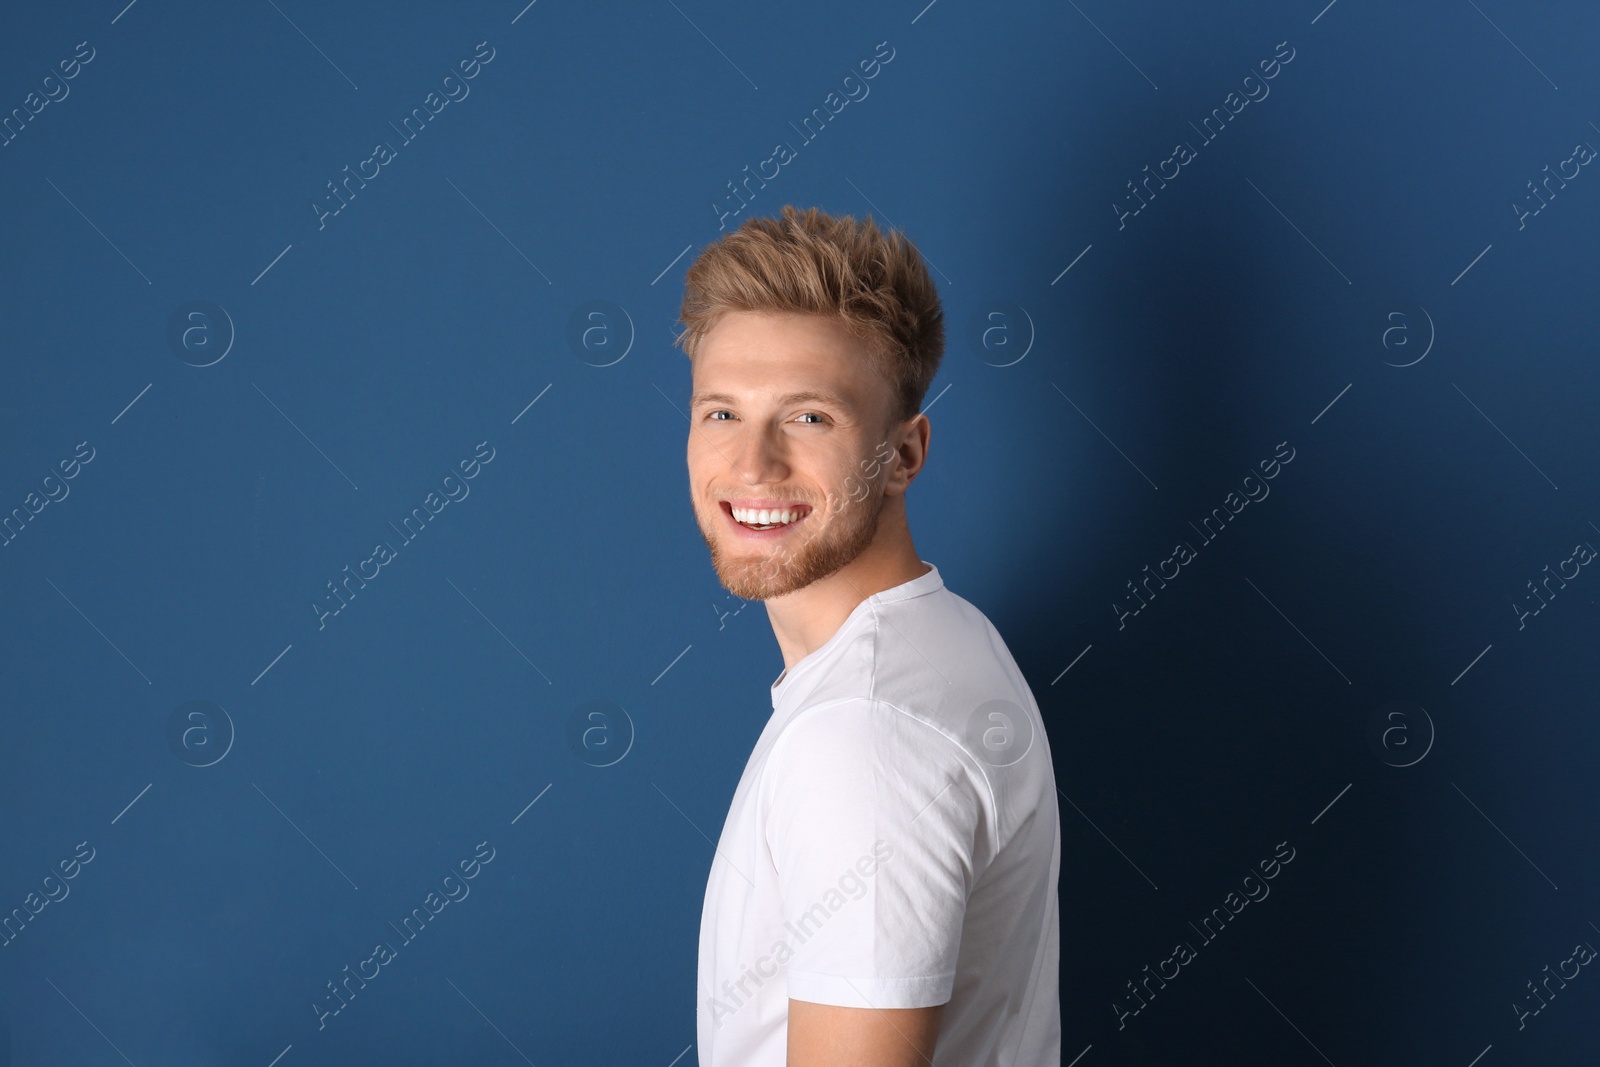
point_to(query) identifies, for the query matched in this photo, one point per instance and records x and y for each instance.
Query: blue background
(1341, 270)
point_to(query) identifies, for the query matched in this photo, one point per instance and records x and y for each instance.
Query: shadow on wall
(1203, 732)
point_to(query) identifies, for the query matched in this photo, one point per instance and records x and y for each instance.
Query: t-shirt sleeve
(875, 821)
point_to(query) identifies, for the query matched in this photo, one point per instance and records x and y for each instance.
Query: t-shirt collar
(918, 586)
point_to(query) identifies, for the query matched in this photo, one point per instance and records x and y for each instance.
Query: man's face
(752, 440)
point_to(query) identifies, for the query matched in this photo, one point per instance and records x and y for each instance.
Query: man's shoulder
(935, 660)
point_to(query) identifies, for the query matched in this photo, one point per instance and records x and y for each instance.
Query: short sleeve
(874, 819)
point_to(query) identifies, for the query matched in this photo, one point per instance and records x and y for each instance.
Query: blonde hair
(813, 263)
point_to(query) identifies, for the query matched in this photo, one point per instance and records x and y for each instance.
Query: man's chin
(766, 577)
(781, 570)
(755, 580)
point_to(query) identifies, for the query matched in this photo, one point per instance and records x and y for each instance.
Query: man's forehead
(785, 358)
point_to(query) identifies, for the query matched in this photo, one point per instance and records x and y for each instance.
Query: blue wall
(224, 385)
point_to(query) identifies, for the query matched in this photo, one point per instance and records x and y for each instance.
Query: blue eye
(821, 419)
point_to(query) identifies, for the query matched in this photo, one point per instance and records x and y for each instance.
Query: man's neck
(803, 621)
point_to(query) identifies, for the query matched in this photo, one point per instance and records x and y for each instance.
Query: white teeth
(764, 517)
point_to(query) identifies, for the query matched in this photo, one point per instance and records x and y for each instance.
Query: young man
(884, 891)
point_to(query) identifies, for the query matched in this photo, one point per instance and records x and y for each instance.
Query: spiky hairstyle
(812, 263)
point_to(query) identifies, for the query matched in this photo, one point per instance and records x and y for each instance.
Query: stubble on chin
(786, 568)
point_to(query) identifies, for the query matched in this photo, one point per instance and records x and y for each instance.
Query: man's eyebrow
(809, 396)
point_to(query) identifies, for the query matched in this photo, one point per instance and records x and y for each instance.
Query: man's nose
(760, 457)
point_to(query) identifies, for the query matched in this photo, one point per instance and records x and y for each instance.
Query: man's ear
(909, 442)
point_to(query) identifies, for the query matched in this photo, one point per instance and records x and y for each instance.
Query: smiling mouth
(752, 518)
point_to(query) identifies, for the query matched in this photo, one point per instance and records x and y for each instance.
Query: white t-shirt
(892, 843)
